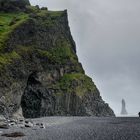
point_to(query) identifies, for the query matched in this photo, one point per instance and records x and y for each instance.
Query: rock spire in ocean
(123, 111)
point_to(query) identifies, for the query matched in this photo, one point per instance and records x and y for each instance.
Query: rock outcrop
(13, 5)
(123, 111)
(39, 68)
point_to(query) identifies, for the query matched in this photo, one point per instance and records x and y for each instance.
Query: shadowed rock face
(13, 5)
(38, 100)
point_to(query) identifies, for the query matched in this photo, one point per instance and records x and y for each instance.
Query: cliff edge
(39, 68)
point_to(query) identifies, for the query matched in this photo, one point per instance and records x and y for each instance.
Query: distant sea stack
(123, 111)
(40, 73)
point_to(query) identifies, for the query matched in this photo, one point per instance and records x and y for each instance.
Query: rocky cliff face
(39, 68)
(13, 5)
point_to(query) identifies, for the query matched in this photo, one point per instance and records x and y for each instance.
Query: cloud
(107, 34)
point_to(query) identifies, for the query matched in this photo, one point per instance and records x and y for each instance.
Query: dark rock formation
(123, 111)
(40, 71)
(13, 5)
(72, 99)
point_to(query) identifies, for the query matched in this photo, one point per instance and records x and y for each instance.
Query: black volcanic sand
(77, 128)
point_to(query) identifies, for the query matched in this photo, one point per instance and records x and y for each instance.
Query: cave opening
(36, 100)
(31, 98)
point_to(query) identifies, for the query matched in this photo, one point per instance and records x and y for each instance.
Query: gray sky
(107, 34)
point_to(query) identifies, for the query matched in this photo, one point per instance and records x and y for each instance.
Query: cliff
(13, 5)
(39, 68)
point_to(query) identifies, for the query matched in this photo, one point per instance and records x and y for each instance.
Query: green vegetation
(59, 54)
(77, 83)
(63, 53)
(51, 17)
(55, 13)
(56, 55)
(52, 14)
(6, 19)
(7, 58)
(32, 9)
(9, 21)
(43, 11)
(6, 27)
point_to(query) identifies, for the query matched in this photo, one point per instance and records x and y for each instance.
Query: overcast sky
(107, 34)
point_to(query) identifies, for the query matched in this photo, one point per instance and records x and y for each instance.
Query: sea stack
(123, 111)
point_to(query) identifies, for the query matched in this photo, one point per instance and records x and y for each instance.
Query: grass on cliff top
(78, 83)
(7, 18)
(43, 12)
(8, 22)
(55, 13)
(51, 13)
